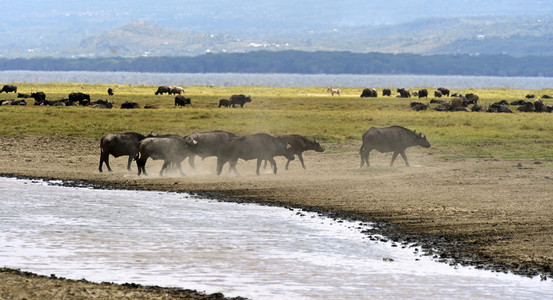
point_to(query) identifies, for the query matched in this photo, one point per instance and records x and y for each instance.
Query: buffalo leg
(364, 153)
(301, 160)
(220, 164)
(165, 165)
(394, 158)
(404, 158)
(129, 162)
(191, 161)
(141, 165)
(233, 166)
(104, 159)
(273, 163)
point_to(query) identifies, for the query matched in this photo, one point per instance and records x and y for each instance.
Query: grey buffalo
(81, 98)
(208, 144)
(163, 89)
(176, 90)
(369, 92)
(119, 144)
(258, 146)
(224, 102)
(390, 139)
(404, 93)
(172, 149)
(443, 91)
(386, 92)
(239, 99)
(299, 144)
(8, 88)
(182, 101)
(423, 93)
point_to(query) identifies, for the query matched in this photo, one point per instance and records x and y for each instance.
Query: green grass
(307, 111)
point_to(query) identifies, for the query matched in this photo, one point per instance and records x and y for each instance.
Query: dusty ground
(490, 213)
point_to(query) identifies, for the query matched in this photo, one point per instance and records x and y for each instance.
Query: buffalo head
(421, 139)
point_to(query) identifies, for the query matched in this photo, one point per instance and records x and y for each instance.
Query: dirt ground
(490, 213)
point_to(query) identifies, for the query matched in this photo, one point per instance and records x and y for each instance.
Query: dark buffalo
(24, 96)
(163, 89)
(224, 102)
(208, 144)
(8, 88)
(172, 149)
(390, 139)
(530, 96)
(239, 99)
(386, 92)
(260, 146)
(472, 98)
(520, 102)
(437, 94)
(110, 91)
(546, 97)
(539, 106)
(299, 144)
(129, 105)
(101, 104)
(444, 91)
(81, 98)
(418, 106)
(182, 101)
(176, 90)
(404, 93)
(39, 97)
(119, 144)
(423, 93)
(499, 107)
(369, 92)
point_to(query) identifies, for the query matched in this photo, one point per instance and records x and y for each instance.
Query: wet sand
(489, 213)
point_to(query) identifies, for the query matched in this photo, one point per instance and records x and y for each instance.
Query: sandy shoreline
(490, 213)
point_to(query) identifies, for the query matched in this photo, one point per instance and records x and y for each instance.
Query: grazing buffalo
(39, 97)
(390, 139)
(129, 105)
(224, 102)
(208, 144)
(239, 99)
(369, 92)
(176, 90)
(172, 149)
(444, 91)
(81, 98)
(472, 98)
(404, 93)
(299, 144)
(110, 91)
(9, 88)
(182, 101)
(119, 144)
(437, 94)
(260, 146)
(423, 93)
(163, 89)
(386, 92)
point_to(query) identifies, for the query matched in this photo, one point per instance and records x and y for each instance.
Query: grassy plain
(307, 111)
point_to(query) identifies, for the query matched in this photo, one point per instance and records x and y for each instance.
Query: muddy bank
(490, 213)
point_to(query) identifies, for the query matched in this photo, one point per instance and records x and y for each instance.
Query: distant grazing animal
(418, 106)
(9, 88)
(101, 104)
(24, 96)
(437, 101)
(437, 94)
(171, 149)
(81, 98)
(299, 144)
(182, 101)
(39, 97)
(333, 91)
(119, 144)
(404, 93)
(369, 92)
(390, 139)
(260, 146)
(527, 107)
(539, 106)
(520, 102)
(458, 102)
(546, 97)
(163, 89)
(472, 98)
(129, 105)
(499, 107)
(176, 90)
(423, 93)
(224, 102)
(444, 91)
(209, 144)
(530, 96)
(386, 92)
(110, 91)
(239, 99)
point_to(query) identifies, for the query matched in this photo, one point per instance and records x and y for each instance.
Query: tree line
(301, 62)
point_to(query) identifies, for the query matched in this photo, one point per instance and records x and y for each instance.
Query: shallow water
(260, 252)
(278, 80)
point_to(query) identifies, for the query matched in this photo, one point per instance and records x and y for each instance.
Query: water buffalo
(176, 90)
(443, 91)
(110, 91)
(209, 144)
(224, 102)
(129, 105)
(390, 139)
(299, 144)
(81, 98)
(119, 144)
(260, 146)
(239, 99)
(404, 93)
(9, 88)
(437, 94)
(172, 149)
(369, 92)
(386, 92)
(182, 101)
(163, 89)
(39, 97)
(101, 104)
(423, 93)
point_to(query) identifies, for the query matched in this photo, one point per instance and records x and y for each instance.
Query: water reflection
(260, 252)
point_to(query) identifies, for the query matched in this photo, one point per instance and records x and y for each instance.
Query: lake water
(278, 80)
(259, 252)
